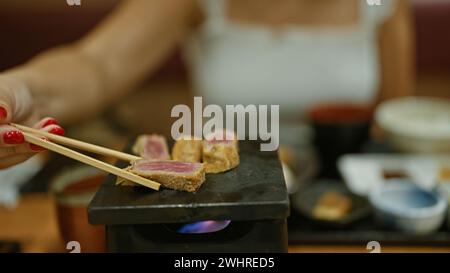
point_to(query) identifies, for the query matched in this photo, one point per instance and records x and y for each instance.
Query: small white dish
(404, 206)
(365, 172)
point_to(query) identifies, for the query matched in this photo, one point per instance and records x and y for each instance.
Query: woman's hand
(16, 106)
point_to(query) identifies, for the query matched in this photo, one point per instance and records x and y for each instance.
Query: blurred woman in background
(294, 53)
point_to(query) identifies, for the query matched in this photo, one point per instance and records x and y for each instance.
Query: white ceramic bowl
(404, 206)
(444, 190)
(416, 124)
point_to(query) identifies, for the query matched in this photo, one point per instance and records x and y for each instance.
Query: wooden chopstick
(78, 144)
(90, 161)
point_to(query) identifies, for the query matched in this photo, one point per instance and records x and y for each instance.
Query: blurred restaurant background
(37, 215)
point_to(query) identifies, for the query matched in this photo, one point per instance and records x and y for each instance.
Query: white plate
(363, 173)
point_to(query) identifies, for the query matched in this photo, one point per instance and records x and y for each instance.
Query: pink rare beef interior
(166, 166)
(155, 148)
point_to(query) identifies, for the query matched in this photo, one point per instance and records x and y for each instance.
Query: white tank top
(235, 63)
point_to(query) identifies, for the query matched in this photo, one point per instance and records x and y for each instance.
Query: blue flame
(204, 226)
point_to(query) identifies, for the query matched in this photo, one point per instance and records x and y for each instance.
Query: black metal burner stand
(253, 196)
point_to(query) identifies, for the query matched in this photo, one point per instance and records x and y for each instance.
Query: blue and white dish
(404, 206)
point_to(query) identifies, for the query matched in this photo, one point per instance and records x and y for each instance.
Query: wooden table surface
(33, 223)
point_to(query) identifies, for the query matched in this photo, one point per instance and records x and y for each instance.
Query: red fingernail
(3, 113)
(50, 121)
(37, 148)
(13, 137)
(57, 131)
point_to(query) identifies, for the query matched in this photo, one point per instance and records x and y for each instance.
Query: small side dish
(332, 206)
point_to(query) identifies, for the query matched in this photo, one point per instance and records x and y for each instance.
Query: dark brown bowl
(338, 129)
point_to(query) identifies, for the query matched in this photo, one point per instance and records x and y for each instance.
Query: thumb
(15, 100)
